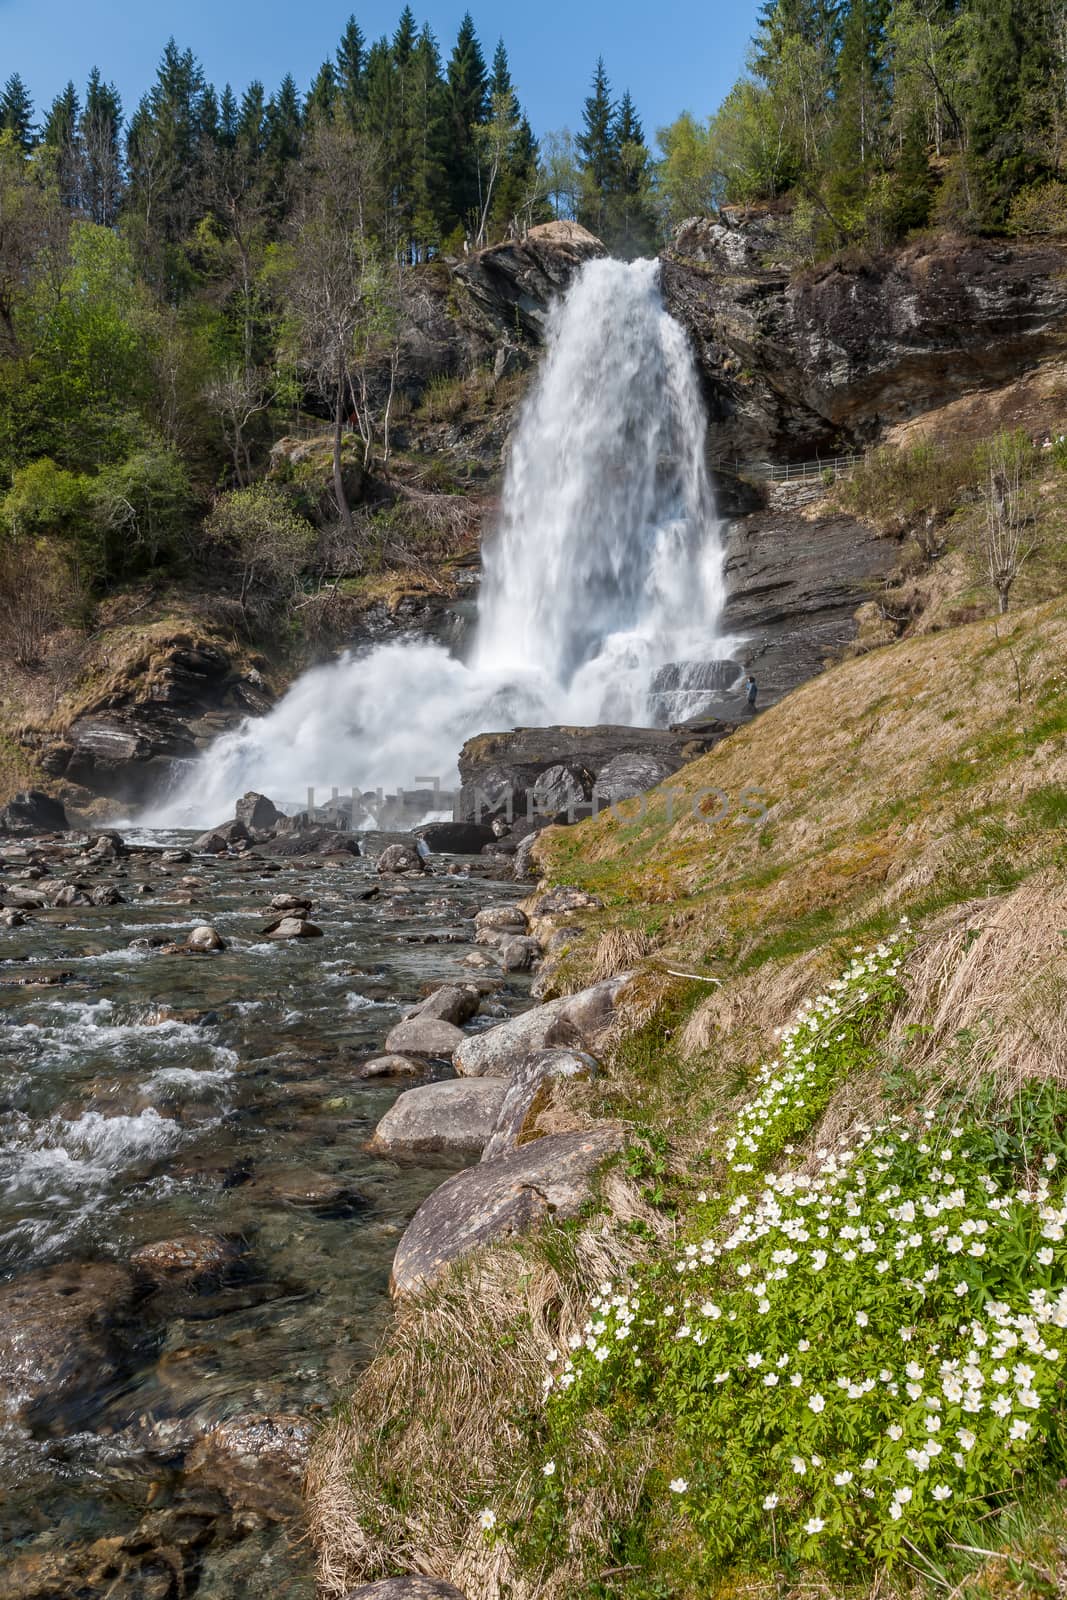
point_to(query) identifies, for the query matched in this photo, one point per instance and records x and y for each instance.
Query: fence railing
(790, 471)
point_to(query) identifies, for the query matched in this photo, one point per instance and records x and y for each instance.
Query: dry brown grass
(433, 1425)
(988, 994)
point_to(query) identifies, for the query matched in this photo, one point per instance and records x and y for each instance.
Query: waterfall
(605, 570)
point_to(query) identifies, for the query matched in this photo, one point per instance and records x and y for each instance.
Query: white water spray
(606, 568)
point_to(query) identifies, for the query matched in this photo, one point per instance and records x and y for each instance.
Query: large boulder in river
(218, 840)
(512, 1195)
(256, 812)
(424, 1036)
(452, 1002)
(574, 1021)
(33, 811)
(58, 1345)
(455, 1117)
(455, 838)
(400, 858)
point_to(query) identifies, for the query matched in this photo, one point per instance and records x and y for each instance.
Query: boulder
(497, 1199)
(176, 858)
(575, 1020)
(631, 773)
(68, 894)
(453, 1002)
(257, 813)
(289, 902)
(23, 899)
(455, 838)
(519, 954)
(255, 1461)
(414, 1588)
(292, 928)
(313, 842)
(527, 1093)
(455, 1117)
(392, 1066)
(106, 895)
(561, 789)
(205, 938)
(523, 866)
(400, 858)
(57, 1336)
(217, 841)
(424, 1036)
(502, 919)
(33, 811)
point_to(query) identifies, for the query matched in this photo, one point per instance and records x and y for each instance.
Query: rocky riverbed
(196, 1231)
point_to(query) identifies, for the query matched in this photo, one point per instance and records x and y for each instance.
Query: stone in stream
(107, 846)
(500, 919)
(33, 811)
(256, 812)
(452, 1002)
(292, 928)
(414, 1588)
(193, 1258)
(205, 938)
(576, 1020)
(528, 1093)
(68, 894)
(254, 1461)
(392, 1066)
(12, 919)
(519, 954)
(214, 842)
(23, 899)
(57, 1336)
(455, 1117)
(424, 1036)
(511, 1195)
(289, 902)
(456, 838)
(176, 858)
(107, 895)
(400, 858)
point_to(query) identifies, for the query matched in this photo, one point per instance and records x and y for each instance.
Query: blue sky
(678, 55)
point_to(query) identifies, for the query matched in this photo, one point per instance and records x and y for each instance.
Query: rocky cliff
(822, 361)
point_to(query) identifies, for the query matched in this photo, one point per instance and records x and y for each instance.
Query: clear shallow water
(152, 1096)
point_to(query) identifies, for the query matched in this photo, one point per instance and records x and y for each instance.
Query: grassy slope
(923, 778)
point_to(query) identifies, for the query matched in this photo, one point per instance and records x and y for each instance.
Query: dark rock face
(32, 811)
(793, 589)
(257, 813)
(817, 362)
(498, 1199)
(512, 283)
(499, 772)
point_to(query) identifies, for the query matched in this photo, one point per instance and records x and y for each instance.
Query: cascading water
(606, 569)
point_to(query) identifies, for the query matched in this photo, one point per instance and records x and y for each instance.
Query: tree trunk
(338, 473)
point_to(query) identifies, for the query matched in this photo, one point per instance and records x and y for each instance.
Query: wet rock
(630, 773)
(314, 842)
(518, 955)
(256, 812)
(33, 811)
(414, 1588)
(563, 899)
(205, 938)
(324, 1196)
(400, 858)
(107, 895)
(478, 959)
(523, 866)
(424, 1036)
(58, 1345)
(528, 1093)
(176, 858)
(453, 1002)
(13, 919)
(107, 846)
(292, 928)
(498, 1199)
(562, 788)
(255, 1461)
(455, 838)
(68, 894)
(218, 840)
(501, 919)
(23, 899)
(456, 1117)
(392, 1066)
(193, 1259)
(575, 1020)
(289, 902)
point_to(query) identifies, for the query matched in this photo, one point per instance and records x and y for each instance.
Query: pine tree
(631, 230)
(500, 81)
(468, 108)
(598, 151)
(61, 139)
(252, 121)
(1013, 72)
(857, 144)
(229, 117)
(351, 68)
(16, 113)
(430, 121)
(284, 127)
(101, 137)
(321, 99)
(209, 116)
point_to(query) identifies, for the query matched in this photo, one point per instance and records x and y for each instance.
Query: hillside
(926, 781)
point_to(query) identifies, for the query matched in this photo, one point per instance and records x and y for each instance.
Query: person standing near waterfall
(751, 691)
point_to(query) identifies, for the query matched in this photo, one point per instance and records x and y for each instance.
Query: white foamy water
(606, 566)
